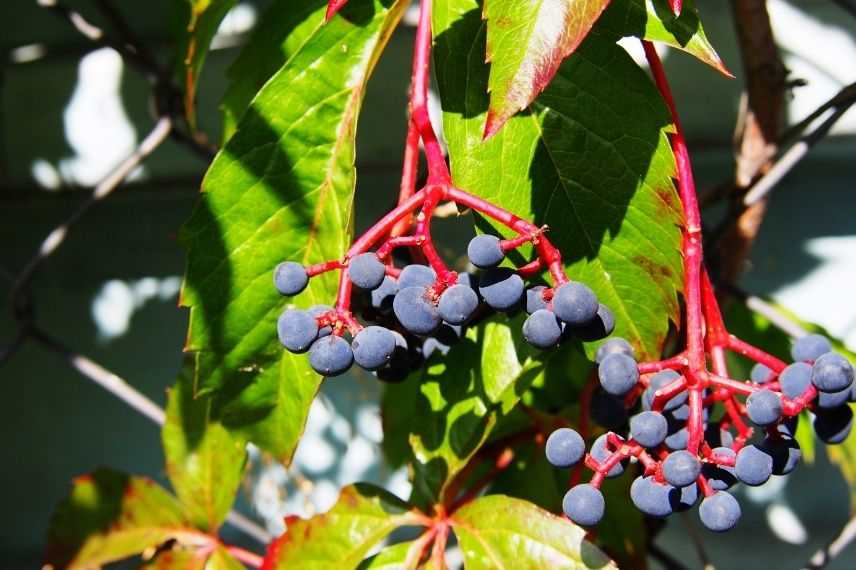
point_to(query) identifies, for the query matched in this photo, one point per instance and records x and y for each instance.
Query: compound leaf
(281, 189)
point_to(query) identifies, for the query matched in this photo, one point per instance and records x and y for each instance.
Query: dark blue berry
(331, 356)
(618, 374)
(661, 380)
(415, 311)
(366, 271)
(373, 347)
(317, 311)
(383, 296)
(653, 498)
(584, 504)
(290, 278)
(784, 451)
(565, 447)
(795, 379)
(833, 426)
(649, 429)
(810, 347)
(833, 399)
(485, 251)
(542, 329)
(681, 468)
(575, 303)
(764, 407)
(611, 346)
(719, 512)
(415, 275)
(297, 329)
(753, 466)
(535, 299)
(832, 372)
(760, 374)
(601, 453)
(457, 304)
(501, 288)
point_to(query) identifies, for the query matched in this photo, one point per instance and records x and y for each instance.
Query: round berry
(653, 498)
(681, 468)
(331, 356)
(720, 477)
(373, 347)
(687, 498)
(399, 365)
(618, 374)
(565, 447)
(760, 374)
(649, 429)
(795, 379)
(415, 311)
(678, 439)
(575, 303)
(753, 466)
(611, 346)
(366, 271)
(542, 329)
(457, 304)
(535, 299)
(485, 251)
(415, 275)
(832, 373)
(317, 311)
(501, 288)
(764, 407)
(828, 400)
(584, 504)
(719, 512)
(810, 347)
(833, 426)
(297, 330)
(290, 278)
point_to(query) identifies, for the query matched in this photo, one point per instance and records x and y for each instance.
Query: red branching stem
(401, 241)
(667, 392)
(409, 171)
(530, 269)
(324, 267)
(756, 354)
(438, 172)
(502, 462)
(676, 362)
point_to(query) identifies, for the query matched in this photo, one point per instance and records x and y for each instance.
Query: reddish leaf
(526, 43)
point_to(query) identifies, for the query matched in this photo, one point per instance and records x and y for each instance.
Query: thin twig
(797, 152)
(829, 552)
(56, 237)
(140, 403)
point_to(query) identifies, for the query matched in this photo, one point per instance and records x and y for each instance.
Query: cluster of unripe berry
(413, 311)
(674, 478)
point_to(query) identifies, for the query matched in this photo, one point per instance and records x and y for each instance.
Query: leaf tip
(494, 122)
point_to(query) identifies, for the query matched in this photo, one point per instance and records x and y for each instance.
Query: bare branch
(836, 107)
(829, 552)
(54, 239)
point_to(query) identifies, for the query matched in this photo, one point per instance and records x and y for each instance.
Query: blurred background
(71, 112)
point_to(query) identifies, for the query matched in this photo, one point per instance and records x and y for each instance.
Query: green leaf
(590, 159)
(203, 17)
(447, 413)
(282, 188)
(204, 460)
(500, 532)
(110, 516)
(526, 43)
(342, 537)
(280, 34)
(653, 20)
(401, 556)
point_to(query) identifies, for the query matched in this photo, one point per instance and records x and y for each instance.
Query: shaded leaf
(110, 516)
(282, 188)
(526, 43)
(203, 17)
(439, 419)
(280, 34)
(500, 532)
(204, 460)
(590, 159)
(653, 20)
(342, 537)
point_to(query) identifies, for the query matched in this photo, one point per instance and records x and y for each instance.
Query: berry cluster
(674, 478)
(409, 312)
